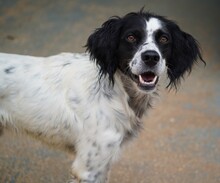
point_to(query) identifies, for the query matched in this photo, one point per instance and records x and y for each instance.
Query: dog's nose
(150, 58)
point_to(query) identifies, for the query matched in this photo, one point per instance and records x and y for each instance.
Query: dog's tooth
(155, 79)
(141, 80)
(147, 83)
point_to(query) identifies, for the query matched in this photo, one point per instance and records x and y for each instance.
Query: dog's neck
(139, 101)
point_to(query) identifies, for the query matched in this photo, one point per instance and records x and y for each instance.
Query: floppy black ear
(102, 46)
(185, 52)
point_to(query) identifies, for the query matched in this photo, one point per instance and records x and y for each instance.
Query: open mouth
(147, 80)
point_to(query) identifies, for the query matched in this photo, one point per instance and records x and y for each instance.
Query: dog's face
(143, 46)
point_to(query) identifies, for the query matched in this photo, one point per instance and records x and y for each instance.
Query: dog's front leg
(95, 153)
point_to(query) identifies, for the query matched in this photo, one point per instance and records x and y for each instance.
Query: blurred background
(181, 139)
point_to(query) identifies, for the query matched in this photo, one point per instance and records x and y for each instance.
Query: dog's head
(143, 46)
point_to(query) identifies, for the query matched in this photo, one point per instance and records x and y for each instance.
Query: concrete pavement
(181, 139)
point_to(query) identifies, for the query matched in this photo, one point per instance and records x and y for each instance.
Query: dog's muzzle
(148, 78)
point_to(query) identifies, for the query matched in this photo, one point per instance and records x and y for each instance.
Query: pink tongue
(148, 77)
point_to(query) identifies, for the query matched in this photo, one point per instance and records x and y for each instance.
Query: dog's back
(34, 95)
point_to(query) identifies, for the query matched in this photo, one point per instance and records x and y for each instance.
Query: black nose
(150, 58)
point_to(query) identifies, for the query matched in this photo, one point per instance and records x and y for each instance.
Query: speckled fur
(93, 108)
(40, 97)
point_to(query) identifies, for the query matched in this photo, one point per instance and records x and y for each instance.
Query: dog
(92, 103)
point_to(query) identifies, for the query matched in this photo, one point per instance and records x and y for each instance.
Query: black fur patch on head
(108, 47)
(184, 53)
(103, 44)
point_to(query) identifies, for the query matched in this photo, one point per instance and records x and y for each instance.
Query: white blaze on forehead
(153, 24)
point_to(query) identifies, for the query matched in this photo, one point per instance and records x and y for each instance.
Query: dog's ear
(185, 52)
(102, 46)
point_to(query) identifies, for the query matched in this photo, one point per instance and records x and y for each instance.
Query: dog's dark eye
(131, 39)
(164, 39)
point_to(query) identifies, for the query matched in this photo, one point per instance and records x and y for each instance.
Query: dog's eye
(131, 39)
(163, 39)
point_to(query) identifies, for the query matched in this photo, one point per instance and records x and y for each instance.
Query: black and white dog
(91, 104)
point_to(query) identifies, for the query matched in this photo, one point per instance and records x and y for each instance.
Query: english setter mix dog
(92, 103)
